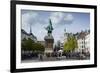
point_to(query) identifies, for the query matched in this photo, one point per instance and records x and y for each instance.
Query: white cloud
(39, 31)
(28, 17)
(59, 17)
(69, 18)
(56, 17)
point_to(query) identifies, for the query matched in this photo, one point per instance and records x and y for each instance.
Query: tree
(70, 44)
(38, 47)
(23, 44)
(27, 44)
(30, 45)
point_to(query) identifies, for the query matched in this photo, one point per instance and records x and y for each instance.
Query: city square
(56, 43)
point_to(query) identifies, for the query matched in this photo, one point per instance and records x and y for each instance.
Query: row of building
(25, 35)
(83, 40)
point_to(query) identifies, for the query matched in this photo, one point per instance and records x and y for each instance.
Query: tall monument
(49, 40)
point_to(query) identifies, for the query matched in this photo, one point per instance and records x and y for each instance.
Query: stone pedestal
(49, 40)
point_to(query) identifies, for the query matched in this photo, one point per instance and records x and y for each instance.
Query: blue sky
(71, 21)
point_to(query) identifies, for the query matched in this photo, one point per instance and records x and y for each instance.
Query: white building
(81, 44)
(87, 43)
(83, 41)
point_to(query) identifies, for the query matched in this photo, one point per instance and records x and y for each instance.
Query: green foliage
(38, 47)
(23, 44)
(27, 44)
(30, 45)
(70, 44)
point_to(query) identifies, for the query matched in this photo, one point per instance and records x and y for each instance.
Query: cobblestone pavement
(53, 59)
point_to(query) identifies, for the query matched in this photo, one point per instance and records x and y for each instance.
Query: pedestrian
(41, 57)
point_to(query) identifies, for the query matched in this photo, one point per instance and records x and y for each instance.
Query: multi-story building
(26, 35)
(83, 40)
(87, 43)
(81, 44)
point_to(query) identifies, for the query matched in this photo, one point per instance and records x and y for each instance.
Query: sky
(71, 21)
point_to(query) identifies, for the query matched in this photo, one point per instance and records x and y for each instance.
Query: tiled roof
(82, 35)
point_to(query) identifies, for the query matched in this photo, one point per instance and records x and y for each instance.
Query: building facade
(87, 43)
(83, 40)
(81, 44)
(25, 35)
